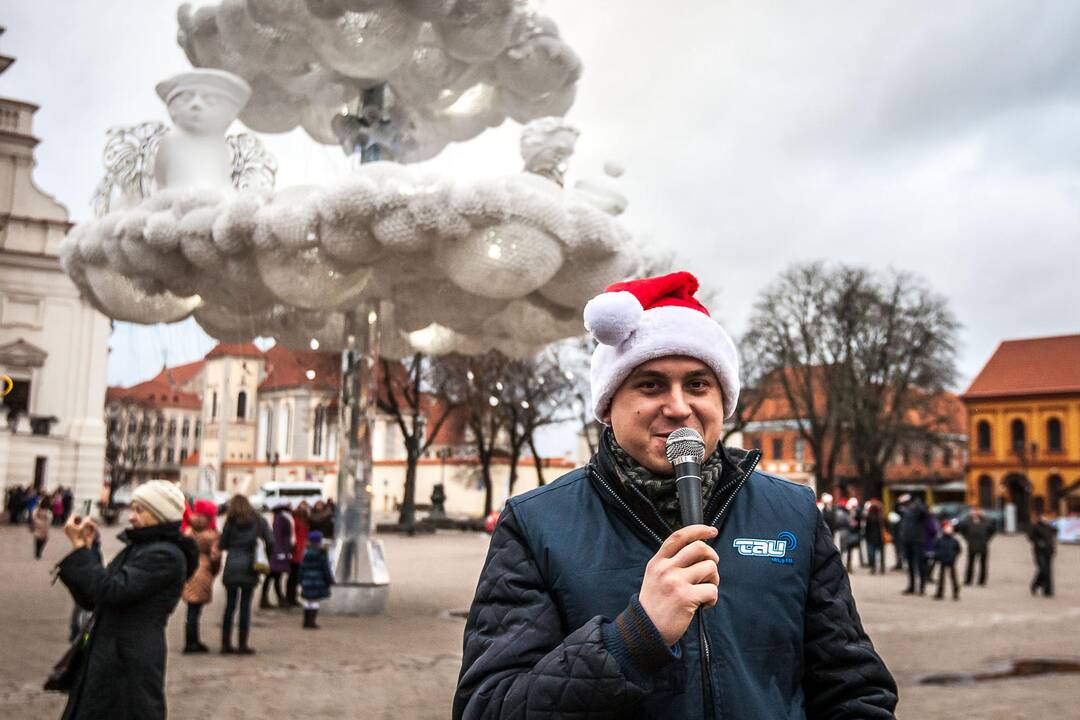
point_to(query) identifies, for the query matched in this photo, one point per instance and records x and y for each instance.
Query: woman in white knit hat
(123, 671)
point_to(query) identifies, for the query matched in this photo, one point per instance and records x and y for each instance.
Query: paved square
(404, 664)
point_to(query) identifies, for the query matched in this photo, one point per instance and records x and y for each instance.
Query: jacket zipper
(626, 507)
(701, 617)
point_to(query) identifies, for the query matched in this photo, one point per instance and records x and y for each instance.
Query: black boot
(244, 648)
(226, 642)
(309, 619)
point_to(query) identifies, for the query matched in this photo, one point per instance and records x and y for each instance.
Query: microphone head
(685, 442)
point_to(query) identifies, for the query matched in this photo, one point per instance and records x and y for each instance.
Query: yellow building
(1024, 428)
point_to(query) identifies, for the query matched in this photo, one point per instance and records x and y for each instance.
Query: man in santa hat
(595, 602)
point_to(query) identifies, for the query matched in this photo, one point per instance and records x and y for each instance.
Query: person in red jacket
(301, 525)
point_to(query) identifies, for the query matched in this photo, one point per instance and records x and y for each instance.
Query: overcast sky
(941, 138)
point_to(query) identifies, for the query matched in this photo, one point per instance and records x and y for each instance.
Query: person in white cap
(595, 602)
(122, 674)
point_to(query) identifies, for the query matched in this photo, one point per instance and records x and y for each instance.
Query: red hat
(641, 320)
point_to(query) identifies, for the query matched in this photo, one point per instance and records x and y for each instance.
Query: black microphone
(686, 451)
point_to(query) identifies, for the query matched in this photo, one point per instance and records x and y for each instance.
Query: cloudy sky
(940, 138)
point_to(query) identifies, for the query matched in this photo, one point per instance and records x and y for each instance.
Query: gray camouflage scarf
(659, 490)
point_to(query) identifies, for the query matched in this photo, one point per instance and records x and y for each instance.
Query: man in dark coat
(1043, 537)
(913, 517)
(977, 531)
(123, 675)
(596, 602)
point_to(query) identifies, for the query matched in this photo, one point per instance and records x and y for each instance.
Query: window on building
(172, 428)
(17, 402)
(241, 405)
(1053, 435)
(778, 448)
(982, 431)
(159, 427)
(213, 406)
(284, 430)
(185, 429)
(198, 430)
(1019, 434)
(1054, 485)
(947, 456)
(986, 492)
(800, 449)
(927, 455)
(905, 455)
(114, 425)
(170, 456)
(320, 418)
(1040, 504)
(157, 456)
(183, 454)
(132, 425)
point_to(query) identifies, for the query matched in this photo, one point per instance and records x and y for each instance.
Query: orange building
(933, 470)
(1024, 428)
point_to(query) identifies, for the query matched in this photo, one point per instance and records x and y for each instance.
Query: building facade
(1024, 427)
(53, 344)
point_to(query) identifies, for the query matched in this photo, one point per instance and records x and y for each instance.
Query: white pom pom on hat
(641, 320)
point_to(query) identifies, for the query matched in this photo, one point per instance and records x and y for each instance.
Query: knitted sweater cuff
(636, 643)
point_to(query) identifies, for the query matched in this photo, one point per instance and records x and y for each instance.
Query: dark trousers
(293, 584)
(191, 626)
(876, 553)
(39, 547)
(899, 548)
(916, 567)
(237, 595)
(1043, 574)
(974, 556)
(951, 567)
(275, 579)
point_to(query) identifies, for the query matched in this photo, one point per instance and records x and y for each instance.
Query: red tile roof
(288, 369)
(192, 459)
(156, 392)
(235, 350)
(1037, 366)
(181, 374)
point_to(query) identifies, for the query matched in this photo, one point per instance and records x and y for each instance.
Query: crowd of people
(924, 543)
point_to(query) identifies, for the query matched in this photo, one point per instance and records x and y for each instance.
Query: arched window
(986, 492)
(185, 429)
(172, 428)
(266, 438)
(284, 430)
(241, 405)
(983, 433)
(1019, 435)
(1053, 435)
(213, 407)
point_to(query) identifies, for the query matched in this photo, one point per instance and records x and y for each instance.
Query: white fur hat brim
(664, 332)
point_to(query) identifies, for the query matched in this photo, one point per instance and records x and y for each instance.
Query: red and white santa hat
(641, 320)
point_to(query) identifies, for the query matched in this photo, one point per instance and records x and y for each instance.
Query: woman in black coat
(123, 673)
(243, 530)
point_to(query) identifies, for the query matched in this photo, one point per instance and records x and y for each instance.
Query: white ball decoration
(310, 279)
(611, 317)
(504, 262)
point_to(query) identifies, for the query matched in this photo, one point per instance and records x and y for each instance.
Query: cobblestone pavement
(404, 663)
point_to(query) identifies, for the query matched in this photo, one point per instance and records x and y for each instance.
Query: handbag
(62, 676)
(261, 564)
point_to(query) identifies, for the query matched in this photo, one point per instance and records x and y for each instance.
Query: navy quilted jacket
(556, 631)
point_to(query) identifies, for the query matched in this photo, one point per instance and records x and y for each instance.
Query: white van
(273, 494)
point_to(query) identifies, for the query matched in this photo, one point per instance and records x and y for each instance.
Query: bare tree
(130, 429)
(403, 394)
(792, 342)
(901, 341)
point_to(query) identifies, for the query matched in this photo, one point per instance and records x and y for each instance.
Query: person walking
(853, 532)
(913, 535)
(199, 590)
(280, 558)
(946, 550)
(122, 676)
(977, 530)
(1043, 537)
(893, 525)
(244, 528)
(39, 528)
(933, 531)
(67, 501)
(874, 532)
(300, 518)
(322, 519)
(316, 577)
(56, 503)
